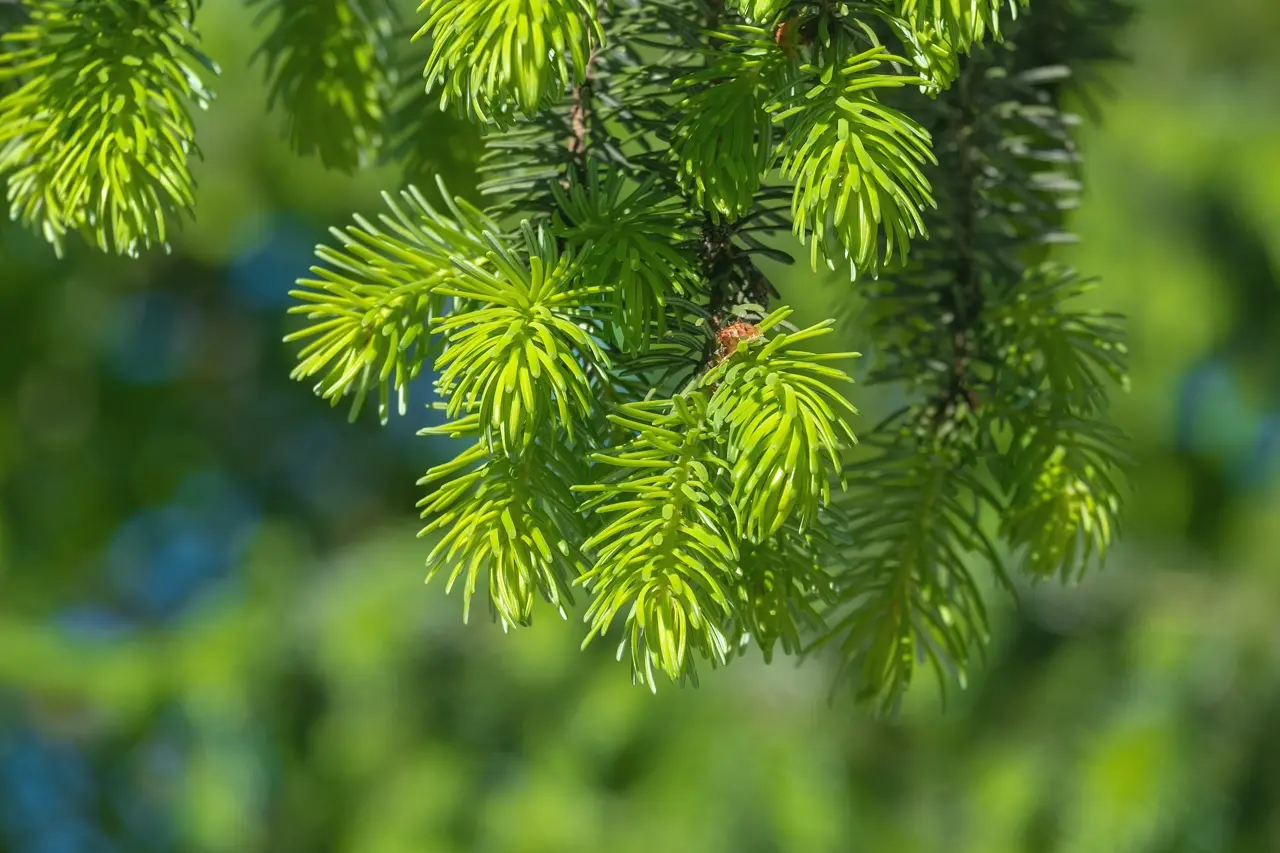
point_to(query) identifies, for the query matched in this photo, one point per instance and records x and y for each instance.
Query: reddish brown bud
(730, 336)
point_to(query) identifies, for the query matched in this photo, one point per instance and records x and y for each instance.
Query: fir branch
(960, 24)
(500, 58)
(513, 352)
(1013, 389)
(786, 426)
(1052, 357)
(1062, 477)
(907, 594)
(631, 237)
(330, 69)
(622, 342)
(856, 163)
(415, 141)
(723, 141)
(601, 328)
(97, 136)
(1063, 469)
(511, 520)
(371, 308)
(667, 553)
(784, 586)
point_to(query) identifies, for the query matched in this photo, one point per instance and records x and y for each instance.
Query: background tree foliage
(206, 644)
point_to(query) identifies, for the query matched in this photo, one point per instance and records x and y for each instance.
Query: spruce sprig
(515, 352)
(97, 136)
(497, 59)
(633, 236)
(331, 70)
(856, 163)
(667, 554)
(371, 307)
(785, 424)
(510, 521)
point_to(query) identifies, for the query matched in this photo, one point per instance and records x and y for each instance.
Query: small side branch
(581, 115)
(964, 299)
(582, 112)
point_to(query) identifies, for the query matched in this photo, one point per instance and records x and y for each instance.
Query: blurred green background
(214, 634)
